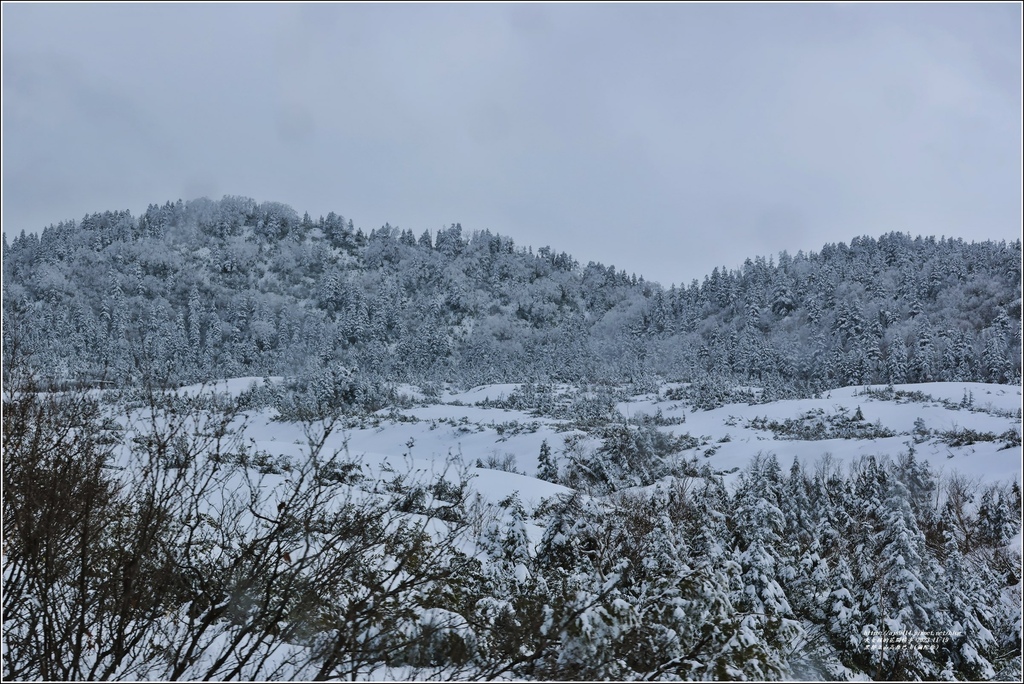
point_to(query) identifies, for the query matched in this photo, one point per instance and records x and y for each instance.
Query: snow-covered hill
(970, 428)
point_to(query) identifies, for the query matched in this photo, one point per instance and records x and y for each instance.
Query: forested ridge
(190, 291)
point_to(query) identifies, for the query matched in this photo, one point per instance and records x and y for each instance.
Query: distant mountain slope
(195, 290)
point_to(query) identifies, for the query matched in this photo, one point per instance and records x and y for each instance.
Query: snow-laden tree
(759, 526)
(899, 601)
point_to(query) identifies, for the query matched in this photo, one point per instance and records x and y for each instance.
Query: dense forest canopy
(195, 290)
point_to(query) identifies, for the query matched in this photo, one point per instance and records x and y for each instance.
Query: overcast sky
(665, 139)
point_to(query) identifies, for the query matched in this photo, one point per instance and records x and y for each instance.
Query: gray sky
(665, 139)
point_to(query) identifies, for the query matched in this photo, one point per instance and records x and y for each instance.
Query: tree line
(192, 291)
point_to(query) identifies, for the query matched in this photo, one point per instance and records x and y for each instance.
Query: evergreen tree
(546, 468)
(900, 594)
(759, 525)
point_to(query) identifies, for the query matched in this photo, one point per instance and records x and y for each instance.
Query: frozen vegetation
(442, 457)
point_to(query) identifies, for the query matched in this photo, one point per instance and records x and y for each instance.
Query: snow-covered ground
(500, 447)
(454, 436)
(994, 410)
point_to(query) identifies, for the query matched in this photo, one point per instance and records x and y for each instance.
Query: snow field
(452, 433)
